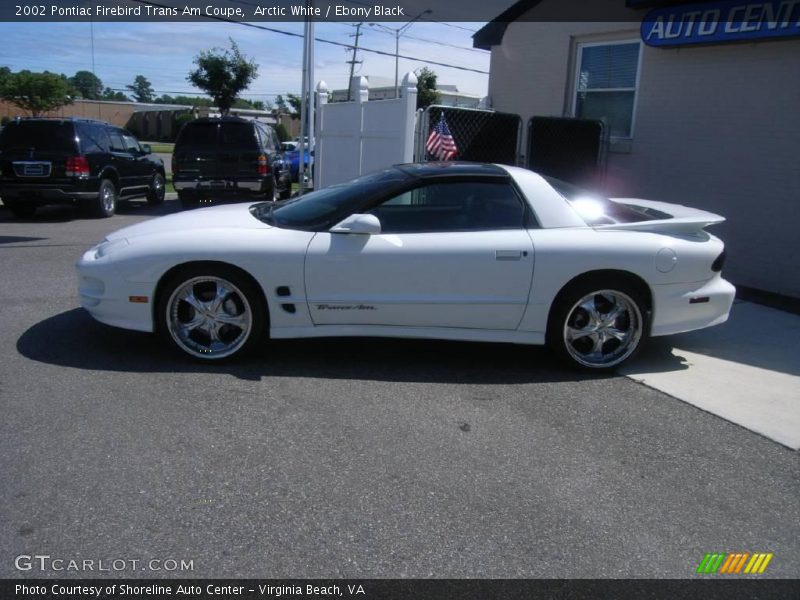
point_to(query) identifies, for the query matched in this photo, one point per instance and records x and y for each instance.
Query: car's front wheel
(211, 312)
(598, 326)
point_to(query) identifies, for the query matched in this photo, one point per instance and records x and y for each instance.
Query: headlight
(107, 247)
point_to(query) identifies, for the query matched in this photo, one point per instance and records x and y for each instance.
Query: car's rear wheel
(157, 189)
(21, 210)
(188, 200)
(211, 312)
(598, 326)
(105, 205)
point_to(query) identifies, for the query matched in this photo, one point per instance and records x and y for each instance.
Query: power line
(422, 39)
(324, 41)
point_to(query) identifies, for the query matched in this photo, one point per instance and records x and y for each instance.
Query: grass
(162, 147)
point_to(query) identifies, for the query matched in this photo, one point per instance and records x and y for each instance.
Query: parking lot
(351, 458)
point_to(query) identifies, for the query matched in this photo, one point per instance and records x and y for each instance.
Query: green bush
(283, 135)
(180, 121)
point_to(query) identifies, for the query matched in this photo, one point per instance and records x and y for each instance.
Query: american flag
(441, 144)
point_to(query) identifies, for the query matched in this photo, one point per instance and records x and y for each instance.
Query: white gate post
(409, 99)
(320, 100)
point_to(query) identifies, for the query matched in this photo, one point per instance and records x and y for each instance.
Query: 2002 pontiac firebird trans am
(454, 251)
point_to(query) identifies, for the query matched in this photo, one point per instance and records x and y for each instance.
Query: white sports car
(455, 251)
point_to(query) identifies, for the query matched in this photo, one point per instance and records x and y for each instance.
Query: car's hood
(228, 215)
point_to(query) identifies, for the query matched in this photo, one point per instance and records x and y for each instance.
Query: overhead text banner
(718, 22)
(396, 589)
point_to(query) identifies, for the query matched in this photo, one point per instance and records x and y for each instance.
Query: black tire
(583, 330)
(287, 193)
(21, 210)
(243, 303)
(156, 190)
(188, 200)
(272, 190)
(105, 205)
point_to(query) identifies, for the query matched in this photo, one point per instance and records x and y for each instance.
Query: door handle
(509, 254)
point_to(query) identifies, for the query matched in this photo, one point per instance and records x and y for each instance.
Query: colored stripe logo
(734, 563)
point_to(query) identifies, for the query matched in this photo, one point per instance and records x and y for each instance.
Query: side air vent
(283, 291)
(289, 308)
(717, 265)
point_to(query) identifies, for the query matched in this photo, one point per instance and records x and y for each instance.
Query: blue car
(292, 158)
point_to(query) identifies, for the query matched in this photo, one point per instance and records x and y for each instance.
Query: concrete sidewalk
(746, 371)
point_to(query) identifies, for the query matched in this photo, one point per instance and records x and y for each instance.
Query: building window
(607, 76)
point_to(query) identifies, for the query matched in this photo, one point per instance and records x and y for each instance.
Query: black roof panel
(452, 168)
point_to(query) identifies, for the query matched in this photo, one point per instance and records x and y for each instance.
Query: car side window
(90, 144)
(457, 206)
(117, 143)
(131, 144)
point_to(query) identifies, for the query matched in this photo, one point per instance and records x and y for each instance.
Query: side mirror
(358, 223)
(146, 148)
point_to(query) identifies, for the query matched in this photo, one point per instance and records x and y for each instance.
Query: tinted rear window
(38, 135)
(199, 134)
(241, 135)
(599, 210)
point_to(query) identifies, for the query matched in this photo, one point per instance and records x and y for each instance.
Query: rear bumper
(685, 307)
(221, 185)
(49, 192)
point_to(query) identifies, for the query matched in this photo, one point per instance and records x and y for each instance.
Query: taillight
(77, 166)
(263, 165)
(174, 165)
(719, 262)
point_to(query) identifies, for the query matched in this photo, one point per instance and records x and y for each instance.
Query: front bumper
(685, 307)
(110, 298)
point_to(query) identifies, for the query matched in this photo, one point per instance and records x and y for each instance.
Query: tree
(280, 130)
(223, 74)
(109, 94)
(141, 90)
(426, 88)
(4, 73)
(280, 104)
(295, 102)
(37, 92)
(87, 84)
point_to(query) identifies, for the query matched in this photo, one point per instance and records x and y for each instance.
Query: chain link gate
(479, 135)
(570, 149)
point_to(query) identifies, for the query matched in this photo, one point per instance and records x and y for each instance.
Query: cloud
(163, 52)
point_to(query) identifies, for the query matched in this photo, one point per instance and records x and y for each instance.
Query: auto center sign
(717, 22)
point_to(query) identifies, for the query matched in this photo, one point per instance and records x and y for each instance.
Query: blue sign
(715, 22)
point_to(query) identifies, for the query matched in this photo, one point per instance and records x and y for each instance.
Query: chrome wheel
(155, 195)
(602, 329)
(107, 198)
(209, 317)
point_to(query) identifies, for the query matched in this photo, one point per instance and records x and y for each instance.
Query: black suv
(91, 163)
(216, 157)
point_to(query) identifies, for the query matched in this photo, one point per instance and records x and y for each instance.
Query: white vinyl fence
(354, 138)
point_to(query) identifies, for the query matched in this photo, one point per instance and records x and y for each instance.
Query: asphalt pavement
(352, 458)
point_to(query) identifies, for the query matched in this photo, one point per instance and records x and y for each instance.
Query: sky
(163, 52)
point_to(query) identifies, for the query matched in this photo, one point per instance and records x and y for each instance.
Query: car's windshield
(599, 210)
(324, 208)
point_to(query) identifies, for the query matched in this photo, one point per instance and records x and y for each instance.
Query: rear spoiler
(681, 219)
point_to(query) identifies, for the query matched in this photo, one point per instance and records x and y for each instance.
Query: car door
(124, 162)
(449, 255)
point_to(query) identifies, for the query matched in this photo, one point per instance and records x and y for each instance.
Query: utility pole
(353, 62)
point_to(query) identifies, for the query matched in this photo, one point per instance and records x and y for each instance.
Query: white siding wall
(717, 127)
